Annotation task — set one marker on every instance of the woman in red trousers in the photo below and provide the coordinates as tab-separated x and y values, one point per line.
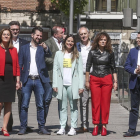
101	57
9	75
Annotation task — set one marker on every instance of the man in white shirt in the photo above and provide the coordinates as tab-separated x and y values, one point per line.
132	66
34	77
17	43
84	46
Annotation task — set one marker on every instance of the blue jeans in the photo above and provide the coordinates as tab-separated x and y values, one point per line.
47	98
27	88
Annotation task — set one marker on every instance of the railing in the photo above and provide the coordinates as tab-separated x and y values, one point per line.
116	5
123	87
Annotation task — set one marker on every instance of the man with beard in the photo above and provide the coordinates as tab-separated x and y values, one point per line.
17	43
34	77
84	47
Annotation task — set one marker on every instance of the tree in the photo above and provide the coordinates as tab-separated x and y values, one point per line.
64	6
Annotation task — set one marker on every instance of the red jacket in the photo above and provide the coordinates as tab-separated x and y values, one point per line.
14	55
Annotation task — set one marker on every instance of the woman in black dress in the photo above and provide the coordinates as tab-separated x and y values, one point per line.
9	75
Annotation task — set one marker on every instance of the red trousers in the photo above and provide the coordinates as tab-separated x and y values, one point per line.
101	88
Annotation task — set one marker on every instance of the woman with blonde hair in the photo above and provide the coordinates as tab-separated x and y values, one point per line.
9	75
68	82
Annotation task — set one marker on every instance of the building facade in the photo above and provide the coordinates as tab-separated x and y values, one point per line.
99	17
29	13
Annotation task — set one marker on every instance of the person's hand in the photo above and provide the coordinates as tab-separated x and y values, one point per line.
81	91
18	85
137	71
115	86
55	89
87	85
43	45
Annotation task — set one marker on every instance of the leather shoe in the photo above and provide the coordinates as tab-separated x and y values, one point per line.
95	131
81	130
28	129
43	131
22	131
129	134
104	131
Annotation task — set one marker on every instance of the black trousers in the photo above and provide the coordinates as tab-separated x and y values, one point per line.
134	112
10	123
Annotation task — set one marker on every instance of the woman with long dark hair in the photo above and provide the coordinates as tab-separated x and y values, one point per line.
68	82
9	75
101	57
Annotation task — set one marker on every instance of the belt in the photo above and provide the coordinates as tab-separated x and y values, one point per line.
33	77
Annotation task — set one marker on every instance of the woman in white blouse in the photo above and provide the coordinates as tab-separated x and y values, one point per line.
68	82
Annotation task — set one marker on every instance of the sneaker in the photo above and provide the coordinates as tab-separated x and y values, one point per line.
72	132
61	132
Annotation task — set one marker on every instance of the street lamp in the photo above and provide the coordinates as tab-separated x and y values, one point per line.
71	17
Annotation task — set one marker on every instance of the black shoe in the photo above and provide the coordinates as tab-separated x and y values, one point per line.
28	129
22	131
67	128
82	130
129	134
43	131
9	128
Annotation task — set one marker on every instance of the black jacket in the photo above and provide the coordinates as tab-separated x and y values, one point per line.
103	63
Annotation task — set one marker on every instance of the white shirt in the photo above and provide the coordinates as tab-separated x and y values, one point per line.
59	45
16	44
67	65
33	66
84	53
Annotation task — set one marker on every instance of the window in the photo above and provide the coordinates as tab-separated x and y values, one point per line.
101	5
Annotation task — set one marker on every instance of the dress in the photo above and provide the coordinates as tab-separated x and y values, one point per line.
8	81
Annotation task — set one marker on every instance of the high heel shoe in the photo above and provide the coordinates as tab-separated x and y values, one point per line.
5	132
104	131
95	131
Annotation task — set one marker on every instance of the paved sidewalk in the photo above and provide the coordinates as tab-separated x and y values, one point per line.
118	124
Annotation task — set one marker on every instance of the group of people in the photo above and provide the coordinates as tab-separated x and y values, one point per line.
62	68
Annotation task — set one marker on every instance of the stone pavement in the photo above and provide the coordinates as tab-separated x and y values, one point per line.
118	124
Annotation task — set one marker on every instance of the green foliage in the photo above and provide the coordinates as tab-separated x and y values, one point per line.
64	6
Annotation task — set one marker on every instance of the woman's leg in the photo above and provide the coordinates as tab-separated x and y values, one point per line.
95	87
73	108
63	109
7	112
105	98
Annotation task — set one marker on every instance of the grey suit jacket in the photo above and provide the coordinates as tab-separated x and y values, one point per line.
49	61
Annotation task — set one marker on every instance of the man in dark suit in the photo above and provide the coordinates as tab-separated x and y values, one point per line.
132	66
17	42
34	77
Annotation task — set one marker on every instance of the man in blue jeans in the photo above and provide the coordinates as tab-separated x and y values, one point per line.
34	77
